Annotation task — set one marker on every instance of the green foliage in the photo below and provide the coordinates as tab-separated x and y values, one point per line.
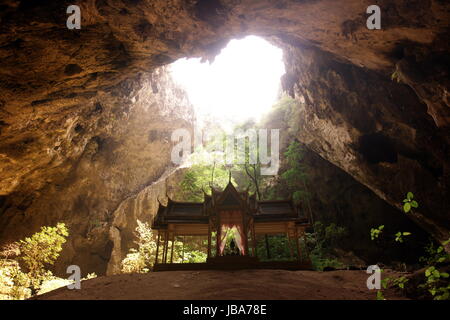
327	235
191	256
321	244
436	281
375	232
435	255
395	76
295	177
140	260
207	166
190	249
320	263
35	254
14	284
436	284
380	295
42	249
385	282
399	236
285	111
249	172
399	282
279	247
134	263
409	203
199	178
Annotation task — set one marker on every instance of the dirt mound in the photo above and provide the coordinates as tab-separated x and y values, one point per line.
242	284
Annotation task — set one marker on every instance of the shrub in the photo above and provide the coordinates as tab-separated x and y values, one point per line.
437	281
40	250
34	253
279	246
141	259
375	232
194	256
321	244
134	262
14	284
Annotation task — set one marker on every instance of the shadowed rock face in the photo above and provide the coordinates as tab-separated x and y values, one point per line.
95	156
333	196
375	129
84	114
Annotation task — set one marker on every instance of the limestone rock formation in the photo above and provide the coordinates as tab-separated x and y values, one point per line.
107	149
143	207
375	129
85	114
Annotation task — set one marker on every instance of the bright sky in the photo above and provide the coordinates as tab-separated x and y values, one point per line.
241	83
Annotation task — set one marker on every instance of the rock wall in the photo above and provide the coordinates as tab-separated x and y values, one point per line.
143	207
375	129
111	148
334	196
340	199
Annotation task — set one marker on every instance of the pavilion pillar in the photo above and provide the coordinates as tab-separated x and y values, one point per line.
157	247
209	240
255	254
182	250
267	246
290	245
302	235
297	244
163	236
246	241
218	241
166	245
171	249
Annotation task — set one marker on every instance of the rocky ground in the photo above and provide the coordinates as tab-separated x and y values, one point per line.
226	285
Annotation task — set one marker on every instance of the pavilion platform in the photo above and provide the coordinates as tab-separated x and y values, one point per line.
234	263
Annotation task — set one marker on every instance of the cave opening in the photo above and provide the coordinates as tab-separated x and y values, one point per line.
240	84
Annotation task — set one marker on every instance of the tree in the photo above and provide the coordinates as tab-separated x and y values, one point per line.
42	249
321	243
249	170
296	176
199	178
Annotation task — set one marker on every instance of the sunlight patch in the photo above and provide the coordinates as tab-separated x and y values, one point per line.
242	83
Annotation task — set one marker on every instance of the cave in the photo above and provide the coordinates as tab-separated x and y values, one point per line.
377	148
86	116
